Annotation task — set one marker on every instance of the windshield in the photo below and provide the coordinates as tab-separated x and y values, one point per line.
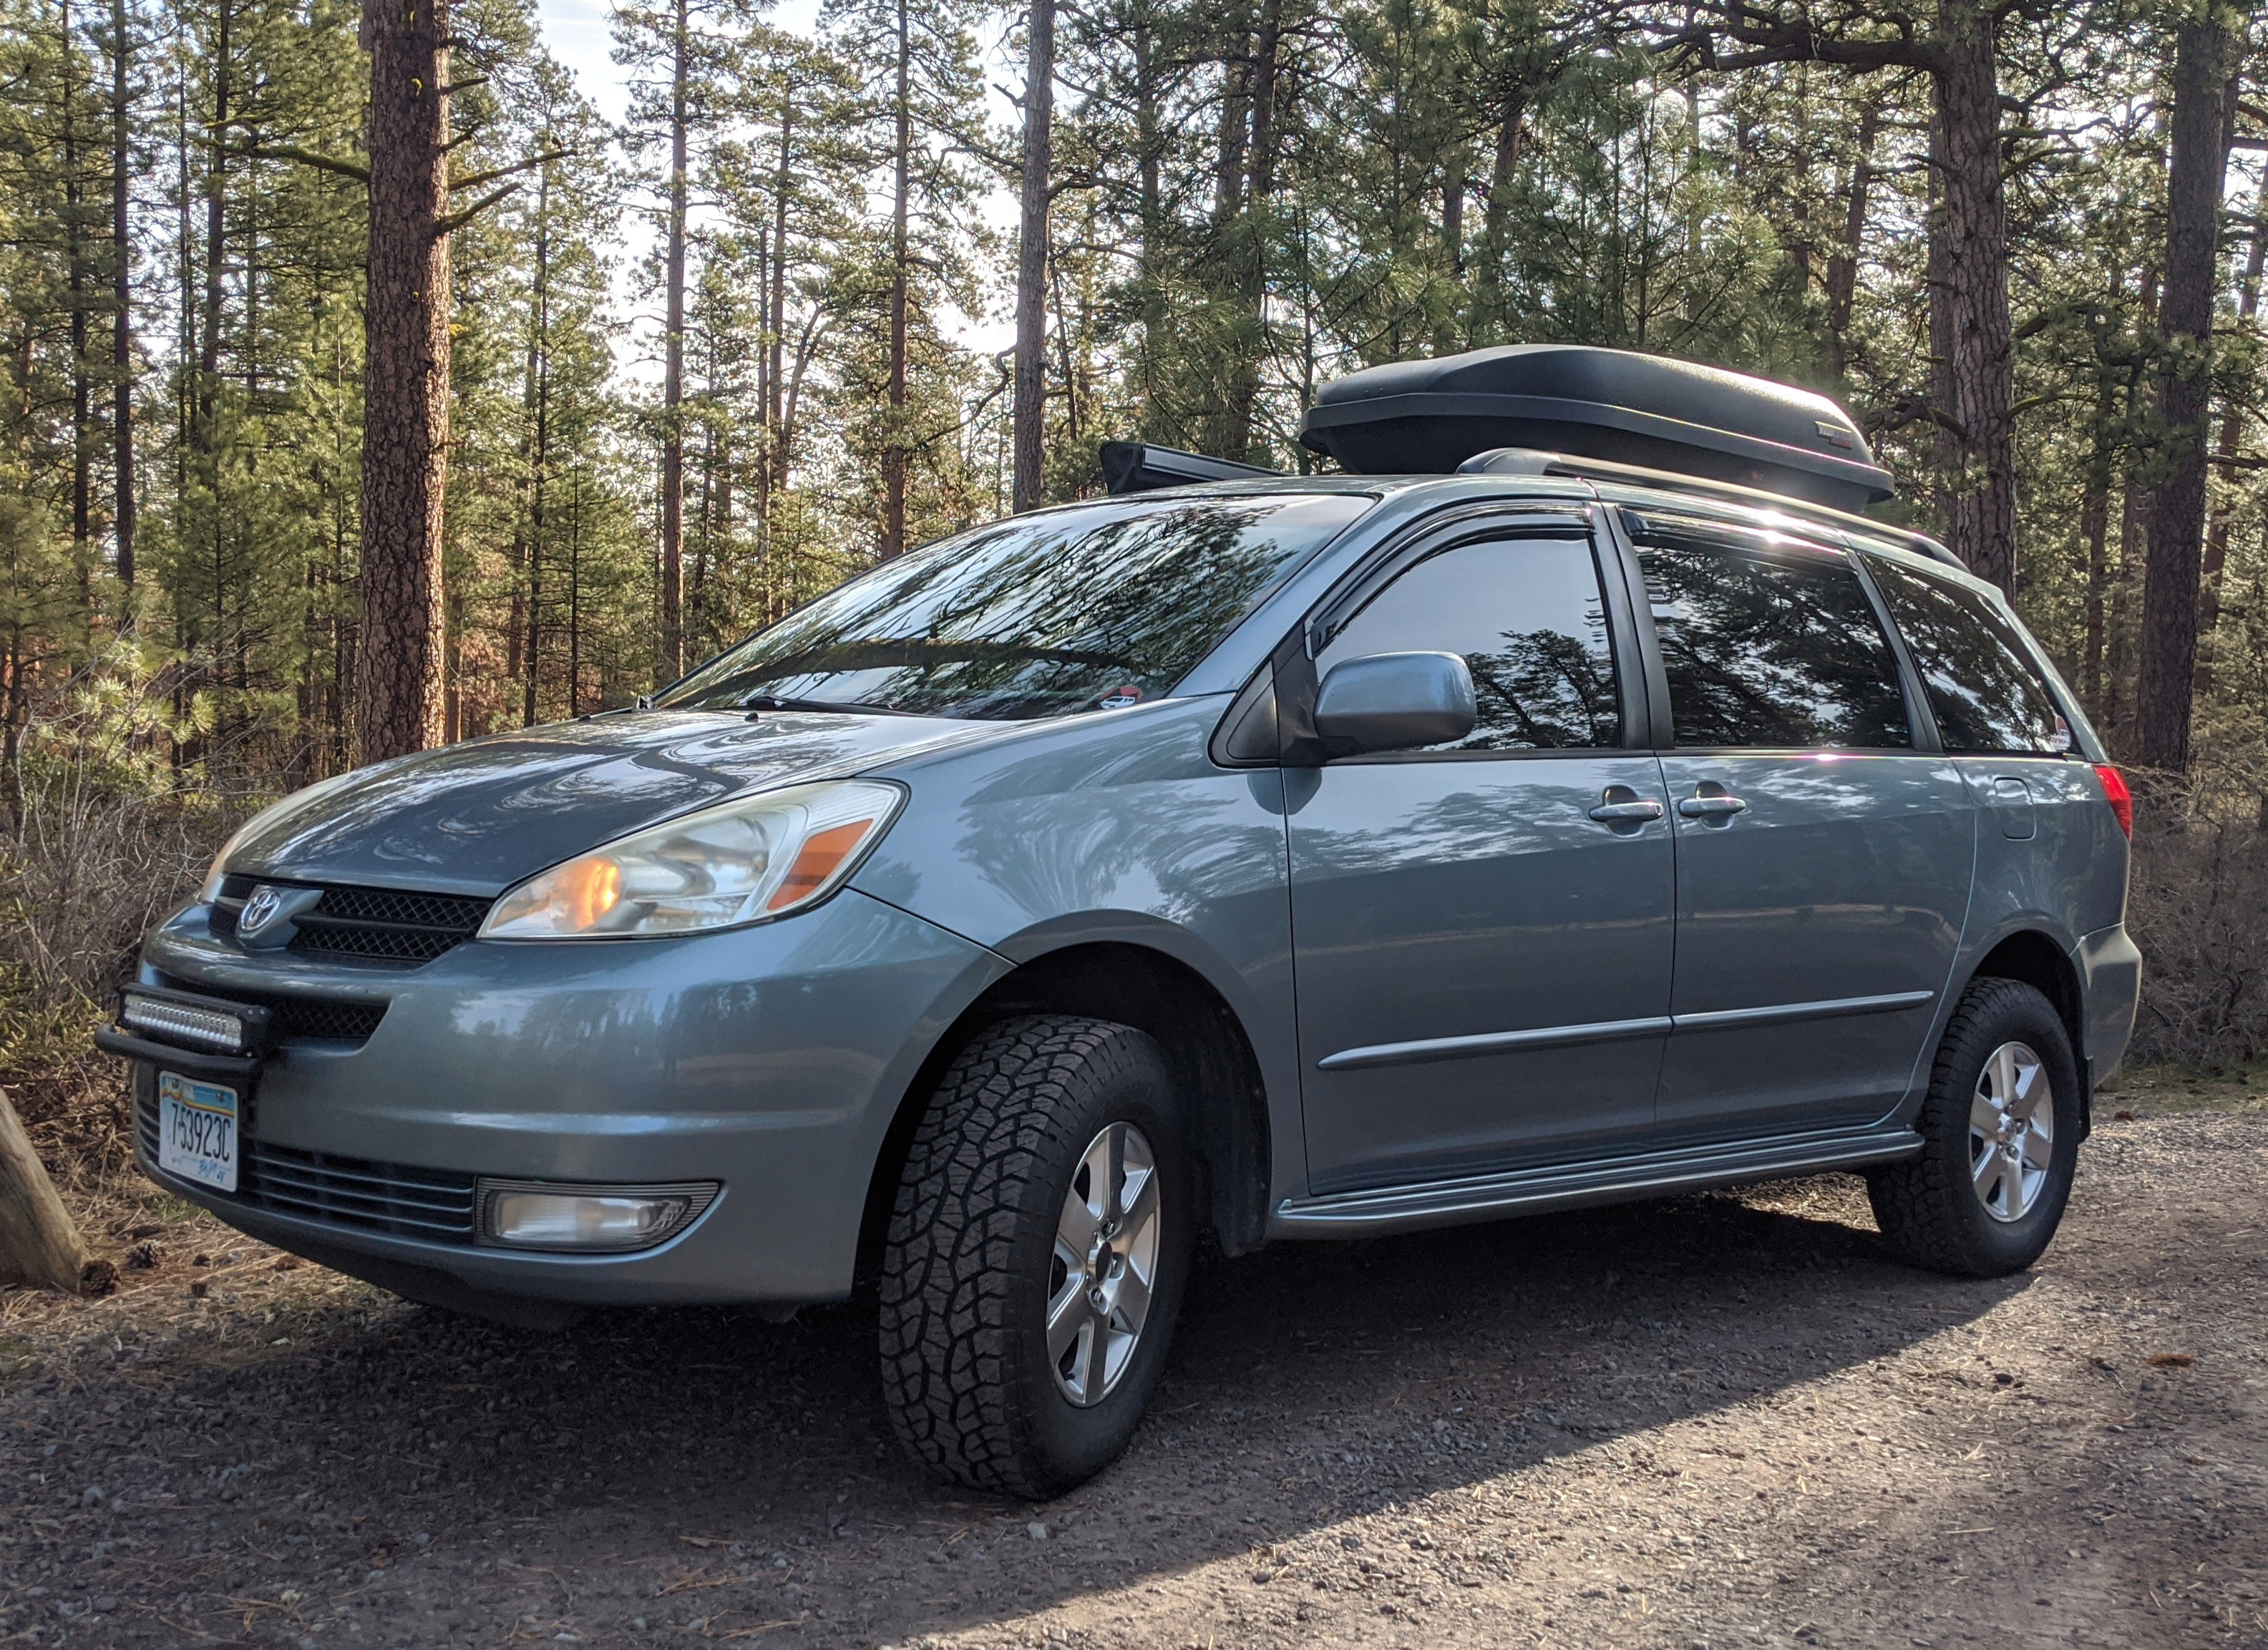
1086	609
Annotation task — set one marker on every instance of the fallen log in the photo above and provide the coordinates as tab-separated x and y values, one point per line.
39	1244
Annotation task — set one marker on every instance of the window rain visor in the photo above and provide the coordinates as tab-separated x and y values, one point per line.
1093	607
746	861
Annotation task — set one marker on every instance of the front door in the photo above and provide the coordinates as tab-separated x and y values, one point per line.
1823	859
1483	933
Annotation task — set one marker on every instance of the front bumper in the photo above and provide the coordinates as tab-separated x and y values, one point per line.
770	1059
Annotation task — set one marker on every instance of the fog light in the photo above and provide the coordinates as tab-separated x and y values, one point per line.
545	1215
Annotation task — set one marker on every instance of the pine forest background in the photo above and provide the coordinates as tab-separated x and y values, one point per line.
686	371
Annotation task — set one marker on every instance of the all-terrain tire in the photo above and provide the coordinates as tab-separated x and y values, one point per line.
1928	1207
965	1269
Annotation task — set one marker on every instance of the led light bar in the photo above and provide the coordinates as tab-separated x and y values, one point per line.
589	1220
191	1026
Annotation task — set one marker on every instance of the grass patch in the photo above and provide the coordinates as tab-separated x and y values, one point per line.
2158	1091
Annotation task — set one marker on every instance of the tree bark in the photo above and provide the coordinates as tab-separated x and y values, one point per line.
1031	370
1978	443
894	451
539	395
2203	50
2232	430
216	222
82	388
775	444
672	370
406	383
1496	229
121	335
39	1244
1843	263
1972	383
1252	233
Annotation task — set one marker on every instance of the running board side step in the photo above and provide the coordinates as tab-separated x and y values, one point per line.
1573	1185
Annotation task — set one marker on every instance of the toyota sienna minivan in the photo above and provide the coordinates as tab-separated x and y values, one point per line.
1571	797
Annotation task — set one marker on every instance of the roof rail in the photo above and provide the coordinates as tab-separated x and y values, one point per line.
1529	461
1136	466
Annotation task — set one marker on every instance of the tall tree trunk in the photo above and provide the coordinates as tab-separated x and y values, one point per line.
1842	264
1977	444
539	403
2203	47
1030	393
39	1244
775	325
894	453
2094	534
82	386
122	320
1487	324
406	377
672	369
215	224
2232	430
1156	415
1252	234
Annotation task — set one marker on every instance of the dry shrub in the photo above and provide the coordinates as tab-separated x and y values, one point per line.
103	830
2197	907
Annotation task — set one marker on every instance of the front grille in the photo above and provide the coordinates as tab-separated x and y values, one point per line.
383	926
433	1205
300	1017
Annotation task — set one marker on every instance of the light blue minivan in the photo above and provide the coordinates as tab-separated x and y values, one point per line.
1273	857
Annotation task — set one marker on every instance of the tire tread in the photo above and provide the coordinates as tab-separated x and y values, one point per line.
950	1348
1918	1204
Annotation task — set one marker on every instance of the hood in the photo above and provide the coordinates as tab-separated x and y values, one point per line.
477	817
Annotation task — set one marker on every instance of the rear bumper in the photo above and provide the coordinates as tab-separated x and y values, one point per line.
2110	975
770	1060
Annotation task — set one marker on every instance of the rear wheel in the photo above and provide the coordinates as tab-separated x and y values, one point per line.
1036	1255
2000	1140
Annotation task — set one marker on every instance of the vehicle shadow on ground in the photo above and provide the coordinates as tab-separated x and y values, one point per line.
1311	1382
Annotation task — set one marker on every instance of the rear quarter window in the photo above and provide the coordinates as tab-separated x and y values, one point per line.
1982	687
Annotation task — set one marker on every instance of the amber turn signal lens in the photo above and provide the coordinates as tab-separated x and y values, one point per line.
823	851
2116	793
591	889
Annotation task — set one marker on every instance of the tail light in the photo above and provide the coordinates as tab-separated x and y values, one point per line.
2116	793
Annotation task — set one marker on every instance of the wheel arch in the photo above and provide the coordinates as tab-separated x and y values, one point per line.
1211	1055
2033	957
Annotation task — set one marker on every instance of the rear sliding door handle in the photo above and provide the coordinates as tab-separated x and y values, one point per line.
1714	802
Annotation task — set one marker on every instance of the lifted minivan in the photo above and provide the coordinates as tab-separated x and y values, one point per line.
1598	808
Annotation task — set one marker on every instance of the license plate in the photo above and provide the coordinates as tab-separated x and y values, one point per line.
196	1130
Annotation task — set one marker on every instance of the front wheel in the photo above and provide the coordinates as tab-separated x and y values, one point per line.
2000	1133
1036	1250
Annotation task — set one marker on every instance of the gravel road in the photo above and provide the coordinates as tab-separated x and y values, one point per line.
1719	1421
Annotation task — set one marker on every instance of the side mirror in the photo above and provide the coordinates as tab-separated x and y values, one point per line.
1395	701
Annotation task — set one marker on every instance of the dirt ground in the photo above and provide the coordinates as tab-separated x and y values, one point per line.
1718	1421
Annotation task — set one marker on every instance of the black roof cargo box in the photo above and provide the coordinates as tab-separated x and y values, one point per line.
1430	417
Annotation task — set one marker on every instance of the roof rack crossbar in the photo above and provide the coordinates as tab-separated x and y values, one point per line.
1137	467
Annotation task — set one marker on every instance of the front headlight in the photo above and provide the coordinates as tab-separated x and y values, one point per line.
747	861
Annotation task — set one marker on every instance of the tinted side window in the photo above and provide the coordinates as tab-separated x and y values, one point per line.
1985	693
1527	617
1776	648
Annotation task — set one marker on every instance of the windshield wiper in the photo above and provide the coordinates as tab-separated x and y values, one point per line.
764	701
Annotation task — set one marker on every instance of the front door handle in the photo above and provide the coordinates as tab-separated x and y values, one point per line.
1710	801
1615	812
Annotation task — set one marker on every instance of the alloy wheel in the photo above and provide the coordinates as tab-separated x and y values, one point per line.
2011	1132
1105	1264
